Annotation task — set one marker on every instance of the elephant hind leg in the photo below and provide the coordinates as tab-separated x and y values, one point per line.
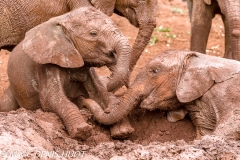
8	101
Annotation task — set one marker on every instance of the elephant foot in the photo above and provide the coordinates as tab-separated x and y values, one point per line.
81	131
176	115
122	129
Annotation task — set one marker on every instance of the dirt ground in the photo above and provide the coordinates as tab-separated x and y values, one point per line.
41	135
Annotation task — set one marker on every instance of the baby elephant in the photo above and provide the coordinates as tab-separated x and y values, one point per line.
207	87
49	69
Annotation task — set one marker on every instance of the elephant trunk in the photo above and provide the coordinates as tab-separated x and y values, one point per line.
143	37
115	112
232	30
120	72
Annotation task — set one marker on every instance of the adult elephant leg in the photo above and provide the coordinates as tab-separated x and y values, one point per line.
98	92
201	21
227	52
190	7
231	12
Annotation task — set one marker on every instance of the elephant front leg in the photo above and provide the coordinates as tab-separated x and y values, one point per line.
74	122
53	98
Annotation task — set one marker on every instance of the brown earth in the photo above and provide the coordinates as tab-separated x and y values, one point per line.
33	134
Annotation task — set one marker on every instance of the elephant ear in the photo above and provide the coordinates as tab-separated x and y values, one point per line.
199	72
48	43
208	1
105	6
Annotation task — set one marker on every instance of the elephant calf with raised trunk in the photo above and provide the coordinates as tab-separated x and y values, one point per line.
49	68
201	15
18	16
207	87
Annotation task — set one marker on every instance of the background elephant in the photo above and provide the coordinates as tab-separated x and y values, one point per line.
206	86
201	14
17	17
49	68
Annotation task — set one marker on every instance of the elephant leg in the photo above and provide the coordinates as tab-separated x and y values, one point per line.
52	80
74	122
201	21
176	115
190	7
8	101
121	129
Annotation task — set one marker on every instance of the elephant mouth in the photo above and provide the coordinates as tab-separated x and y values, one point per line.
155	103
156	100
131	15
104	58
149	102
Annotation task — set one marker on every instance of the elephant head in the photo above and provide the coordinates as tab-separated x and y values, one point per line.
154	87
84	36
141	14
206	86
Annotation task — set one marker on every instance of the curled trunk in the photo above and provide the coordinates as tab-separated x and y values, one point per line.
115	112
120	72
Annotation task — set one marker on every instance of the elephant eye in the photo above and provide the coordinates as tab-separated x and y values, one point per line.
93	33
154	70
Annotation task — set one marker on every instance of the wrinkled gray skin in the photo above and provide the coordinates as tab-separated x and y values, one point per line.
201	15
207	87
18	16
49	68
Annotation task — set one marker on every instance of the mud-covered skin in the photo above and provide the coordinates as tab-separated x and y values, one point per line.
49	68
17	17
207	87
201	14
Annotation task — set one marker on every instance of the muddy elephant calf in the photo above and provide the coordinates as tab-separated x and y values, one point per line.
49	68
208	87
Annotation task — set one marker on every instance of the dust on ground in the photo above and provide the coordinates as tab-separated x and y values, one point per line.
41	135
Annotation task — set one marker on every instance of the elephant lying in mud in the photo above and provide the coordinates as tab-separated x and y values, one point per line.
49	68
201	15
207	87
17	17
